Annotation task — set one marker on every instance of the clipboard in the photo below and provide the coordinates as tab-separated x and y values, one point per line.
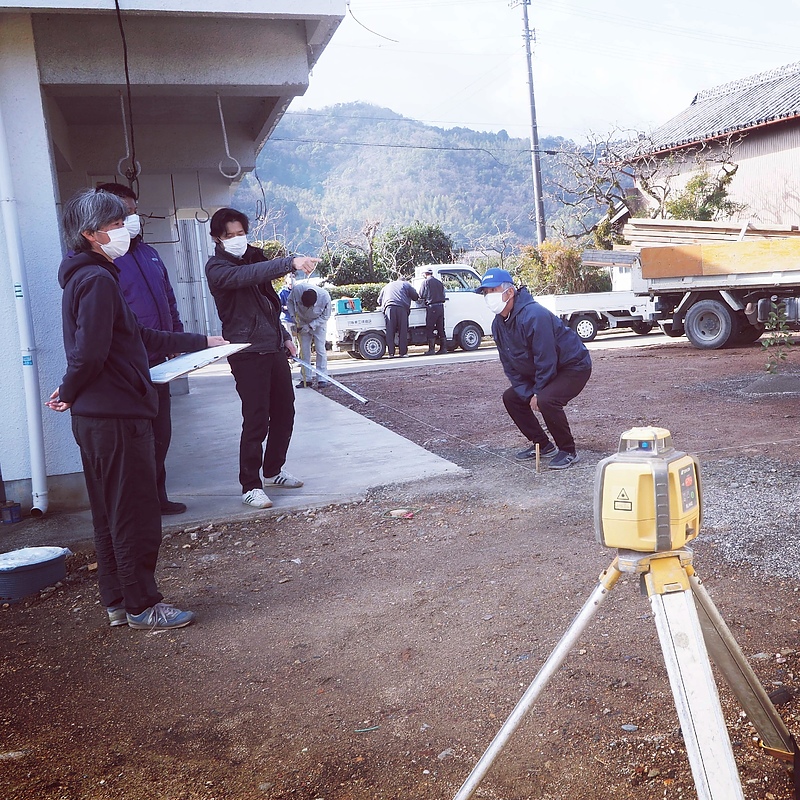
189	362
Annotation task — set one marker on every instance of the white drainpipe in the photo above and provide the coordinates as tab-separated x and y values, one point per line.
30	371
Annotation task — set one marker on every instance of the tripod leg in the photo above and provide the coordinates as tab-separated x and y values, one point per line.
696	700
554	661
739	675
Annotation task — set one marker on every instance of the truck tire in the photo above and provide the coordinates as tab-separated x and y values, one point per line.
641	328
668	329
709	324
371	345
585	326
469	336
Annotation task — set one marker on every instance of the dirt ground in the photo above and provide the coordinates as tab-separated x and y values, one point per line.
341	654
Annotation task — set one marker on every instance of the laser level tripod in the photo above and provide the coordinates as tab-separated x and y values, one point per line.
648	475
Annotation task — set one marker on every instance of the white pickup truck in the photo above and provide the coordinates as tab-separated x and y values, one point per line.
587	314
467	318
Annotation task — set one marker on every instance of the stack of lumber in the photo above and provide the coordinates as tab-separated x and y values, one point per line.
658	232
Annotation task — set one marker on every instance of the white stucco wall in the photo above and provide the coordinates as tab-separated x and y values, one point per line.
36	203
255	53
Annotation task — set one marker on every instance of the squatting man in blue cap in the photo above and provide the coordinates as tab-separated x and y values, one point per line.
545	361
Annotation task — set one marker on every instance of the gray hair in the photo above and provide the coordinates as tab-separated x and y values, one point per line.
89	210
505	286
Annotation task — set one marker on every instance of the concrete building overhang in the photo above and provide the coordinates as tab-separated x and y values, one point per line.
255	55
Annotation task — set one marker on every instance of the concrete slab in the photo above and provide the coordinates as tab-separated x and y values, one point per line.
339	454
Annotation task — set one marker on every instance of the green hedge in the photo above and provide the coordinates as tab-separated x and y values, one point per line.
366	292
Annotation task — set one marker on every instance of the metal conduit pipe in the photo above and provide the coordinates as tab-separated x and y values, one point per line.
30	370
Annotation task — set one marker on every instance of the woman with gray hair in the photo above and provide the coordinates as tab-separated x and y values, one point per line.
113	402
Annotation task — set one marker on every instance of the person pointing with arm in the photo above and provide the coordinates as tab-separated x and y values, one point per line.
240	280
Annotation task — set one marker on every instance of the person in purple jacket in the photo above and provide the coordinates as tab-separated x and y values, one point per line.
145	285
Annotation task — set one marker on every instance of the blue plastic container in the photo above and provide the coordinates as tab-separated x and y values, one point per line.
27	571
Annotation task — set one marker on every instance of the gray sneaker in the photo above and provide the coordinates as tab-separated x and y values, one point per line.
545	451
117	616
160	617
564	460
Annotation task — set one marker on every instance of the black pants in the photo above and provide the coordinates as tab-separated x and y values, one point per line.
397	322
264	384
434	325
162	433
120	471
551	400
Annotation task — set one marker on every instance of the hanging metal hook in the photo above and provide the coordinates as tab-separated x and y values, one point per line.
135	170
261	205
200	195
227	148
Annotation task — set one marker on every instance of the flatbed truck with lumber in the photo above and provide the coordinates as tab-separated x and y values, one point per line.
722	293
717	293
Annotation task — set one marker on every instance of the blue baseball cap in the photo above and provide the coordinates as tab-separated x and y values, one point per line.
493	278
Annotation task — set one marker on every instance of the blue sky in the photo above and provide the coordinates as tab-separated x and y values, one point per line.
598	64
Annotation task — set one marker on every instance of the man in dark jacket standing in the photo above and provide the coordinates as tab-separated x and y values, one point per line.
145	284
240	279
547	363
113	403
433	295
395	302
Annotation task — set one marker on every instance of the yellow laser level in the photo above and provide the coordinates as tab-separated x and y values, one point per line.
647	495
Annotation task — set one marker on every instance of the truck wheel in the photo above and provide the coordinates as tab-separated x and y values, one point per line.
668	329
586	327
709	324
641	327
469	337
372	346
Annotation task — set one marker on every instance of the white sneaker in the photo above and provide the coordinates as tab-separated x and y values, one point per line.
283	480
256	498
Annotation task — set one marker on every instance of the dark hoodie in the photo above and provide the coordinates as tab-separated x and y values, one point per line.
534	345
107	367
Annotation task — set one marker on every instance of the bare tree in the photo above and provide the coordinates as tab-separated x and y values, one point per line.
496	247
626	171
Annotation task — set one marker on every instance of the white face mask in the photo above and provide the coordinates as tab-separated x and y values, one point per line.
235	246
495	301
118	244
134	225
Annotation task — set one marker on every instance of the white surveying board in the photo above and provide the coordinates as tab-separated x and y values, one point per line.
189	362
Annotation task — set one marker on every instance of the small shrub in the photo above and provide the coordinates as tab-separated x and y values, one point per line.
366	292
777	339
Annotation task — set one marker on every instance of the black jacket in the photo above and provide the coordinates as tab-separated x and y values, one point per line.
432	291
246	302
534	345
107	367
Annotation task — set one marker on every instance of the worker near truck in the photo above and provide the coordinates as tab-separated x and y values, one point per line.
240	279
545	361
311	309
395	302
433	295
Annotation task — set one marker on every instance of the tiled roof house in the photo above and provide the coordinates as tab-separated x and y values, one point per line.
762	114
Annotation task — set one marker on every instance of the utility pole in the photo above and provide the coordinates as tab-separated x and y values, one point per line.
538	200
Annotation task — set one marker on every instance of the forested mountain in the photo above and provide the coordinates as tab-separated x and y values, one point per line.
327	173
